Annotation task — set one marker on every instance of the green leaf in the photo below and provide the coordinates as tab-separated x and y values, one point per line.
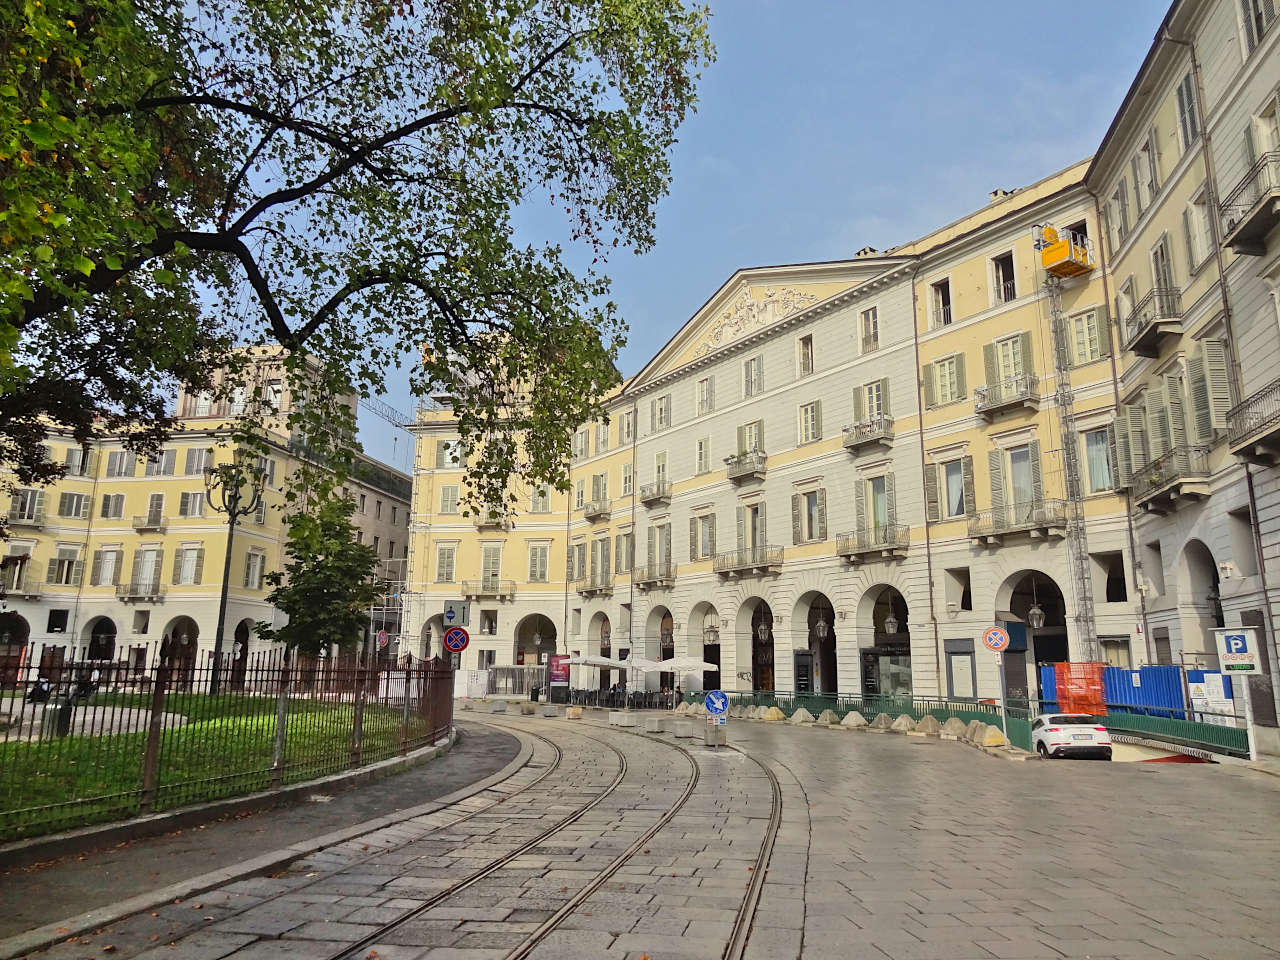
44	253
83	264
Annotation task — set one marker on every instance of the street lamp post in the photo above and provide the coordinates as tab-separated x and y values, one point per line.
224	491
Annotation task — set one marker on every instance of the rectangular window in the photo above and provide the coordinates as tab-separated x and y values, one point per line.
377	544
1088	336
79	462
752	437
660	467
1098	454
393	514
810	423
1002	275
377	509
1118	214
1188	122
953	488
113	506
73	505
539	557
1162	266
940	296
364	508
948	382
804	354
191	505
1009	355
197	461
189	561
870	329
874	399
449	498
602	436
275	395
579	494
878	501
162	464
810	516
448	453
1259	15
446	553
121	463
1021	484
254	565
660	413
704	455
107	567
541	500
1198	235
628	479
627	426
581	444
706	395
391	549
65	567
204	403
752	376
237	401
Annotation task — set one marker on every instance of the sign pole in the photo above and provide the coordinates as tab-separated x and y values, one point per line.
1004	715
1248	717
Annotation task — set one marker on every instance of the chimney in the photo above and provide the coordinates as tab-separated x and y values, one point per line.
867	252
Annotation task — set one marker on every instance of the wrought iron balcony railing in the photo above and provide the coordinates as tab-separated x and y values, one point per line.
1035	516
1169	475
887	540
594	584
1252	209
25	518
1022	390
1255	423
653	493
870	343
489	587
27	587
877	430
140	590
596	509
151	522
659	574
746	466
491	518
763	559
1152	316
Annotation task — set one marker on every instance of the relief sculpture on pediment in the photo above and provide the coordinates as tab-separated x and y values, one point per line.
746	314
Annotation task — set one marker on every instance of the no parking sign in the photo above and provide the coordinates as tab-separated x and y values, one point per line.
456	639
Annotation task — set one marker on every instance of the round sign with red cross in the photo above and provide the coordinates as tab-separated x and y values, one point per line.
456	639
995	638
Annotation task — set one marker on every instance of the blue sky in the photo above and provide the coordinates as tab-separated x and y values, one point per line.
827	126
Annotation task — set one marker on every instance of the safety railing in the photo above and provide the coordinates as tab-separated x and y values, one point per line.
1246	215
887	537
1160	303
140	590
1015	517
748	559
1257	416
151	523
744	466
657	492
870	430
594	584
597	509
1182	463
661	573
489	587
25	518
96	741
1023	388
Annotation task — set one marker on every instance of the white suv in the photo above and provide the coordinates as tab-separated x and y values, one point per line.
1070	735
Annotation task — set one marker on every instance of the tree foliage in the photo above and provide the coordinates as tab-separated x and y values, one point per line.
327	586
337	177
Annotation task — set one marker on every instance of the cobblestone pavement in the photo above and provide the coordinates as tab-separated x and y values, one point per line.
888	847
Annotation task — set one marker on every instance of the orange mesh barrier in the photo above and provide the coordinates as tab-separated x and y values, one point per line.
1080	688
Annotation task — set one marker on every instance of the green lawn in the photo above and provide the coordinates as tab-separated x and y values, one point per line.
223	750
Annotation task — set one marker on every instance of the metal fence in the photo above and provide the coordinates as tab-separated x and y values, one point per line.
95	741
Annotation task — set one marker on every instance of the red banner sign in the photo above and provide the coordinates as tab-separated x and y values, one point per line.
560	670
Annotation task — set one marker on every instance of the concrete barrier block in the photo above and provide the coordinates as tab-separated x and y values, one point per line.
498	706
881	723
853	720
550	710
655	724
773	714
992	737
970	728
953	729
681	709
801	716
683	729
715	735
927	726
623	718
904	724
528	709
573	713
829	717
976	732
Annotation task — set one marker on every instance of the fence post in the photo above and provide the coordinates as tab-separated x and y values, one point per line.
357	721
404	709
282	725
151	759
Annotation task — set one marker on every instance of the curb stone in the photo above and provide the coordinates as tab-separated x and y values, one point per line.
60	930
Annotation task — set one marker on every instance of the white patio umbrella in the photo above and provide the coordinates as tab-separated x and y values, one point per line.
605	663
687	665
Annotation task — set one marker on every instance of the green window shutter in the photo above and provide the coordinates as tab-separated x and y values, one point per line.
1028	355
693	538
619	552
995	468
64	504
760	434
970	495
962	385
764	525
859	404
442	452
53	571
199	564
795	518
189	467
742	440
1037	477
248	561
990	364
822	513
1136	428
1157	421
1186	237
95	573
884	397
817	419
137	567
651	546
930	386
890	496
84	506
606	563
1177	423
39	503
1198	395
859	504
533	565
115	570
1115	445
1103	319
178	557
742	528
1218	374
77	573
932	510
711	534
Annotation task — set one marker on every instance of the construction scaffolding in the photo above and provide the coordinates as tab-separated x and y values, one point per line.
386	613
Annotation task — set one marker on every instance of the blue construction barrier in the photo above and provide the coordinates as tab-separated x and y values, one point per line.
1158	692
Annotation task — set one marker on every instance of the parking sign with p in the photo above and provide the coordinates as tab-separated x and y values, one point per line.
1237	650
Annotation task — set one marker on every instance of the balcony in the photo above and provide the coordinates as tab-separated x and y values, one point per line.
746	466
1007	394
656	493
27	588
489	588
1253	427
596	509
1252	209
1181	474
1039	518
654	575
1157	315
748	562
874	431
887	542
152	523
1067	256
149	590
492	518
596	585
29	518
870	344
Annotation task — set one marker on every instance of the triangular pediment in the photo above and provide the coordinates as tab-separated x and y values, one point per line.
754	299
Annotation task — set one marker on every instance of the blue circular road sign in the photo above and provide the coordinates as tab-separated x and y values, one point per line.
717	703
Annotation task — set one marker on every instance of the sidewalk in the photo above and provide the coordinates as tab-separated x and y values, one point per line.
43	893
